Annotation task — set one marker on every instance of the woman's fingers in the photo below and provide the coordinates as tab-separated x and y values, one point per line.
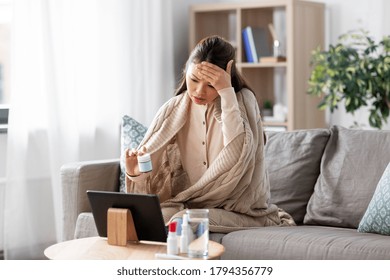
216	76
229	67
132	162
128	153
209	70
142	151
133	152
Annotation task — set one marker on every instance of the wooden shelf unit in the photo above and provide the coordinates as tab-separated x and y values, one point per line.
303	25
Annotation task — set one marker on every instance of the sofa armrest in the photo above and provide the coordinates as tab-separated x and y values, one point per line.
76	179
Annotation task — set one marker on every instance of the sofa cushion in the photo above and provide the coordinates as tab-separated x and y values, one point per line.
305	243
132	132
353	162
85	226
293	162
376	219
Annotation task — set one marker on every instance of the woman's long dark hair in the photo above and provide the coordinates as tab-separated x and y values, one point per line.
216	50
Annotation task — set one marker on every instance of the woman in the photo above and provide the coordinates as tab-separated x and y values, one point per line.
207	147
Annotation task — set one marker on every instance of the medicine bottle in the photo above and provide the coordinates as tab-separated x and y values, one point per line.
145	163
172	248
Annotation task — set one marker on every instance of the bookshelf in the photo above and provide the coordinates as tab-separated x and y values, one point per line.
300	28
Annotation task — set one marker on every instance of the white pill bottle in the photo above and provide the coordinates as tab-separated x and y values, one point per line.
145	163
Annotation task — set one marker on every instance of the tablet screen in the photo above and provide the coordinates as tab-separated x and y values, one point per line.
145	209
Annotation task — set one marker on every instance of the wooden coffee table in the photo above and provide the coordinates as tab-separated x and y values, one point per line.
97	248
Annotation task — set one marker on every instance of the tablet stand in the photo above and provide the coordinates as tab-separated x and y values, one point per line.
120	227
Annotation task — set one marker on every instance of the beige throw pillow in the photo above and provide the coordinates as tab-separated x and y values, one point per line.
353	163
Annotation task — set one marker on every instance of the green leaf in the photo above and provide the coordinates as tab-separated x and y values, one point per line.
356	69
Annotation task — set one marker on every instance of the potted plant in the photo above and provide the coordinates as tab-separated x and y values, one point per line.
355	71
267	108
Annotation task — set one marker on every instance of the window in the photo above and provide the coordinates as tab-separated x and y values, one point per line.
4	110
5	57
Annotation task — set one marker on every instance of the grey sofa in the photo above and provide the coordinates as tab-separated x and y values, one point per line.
325	178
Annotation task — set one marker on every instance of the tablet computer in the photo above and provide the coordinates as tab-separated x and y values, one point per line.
145	209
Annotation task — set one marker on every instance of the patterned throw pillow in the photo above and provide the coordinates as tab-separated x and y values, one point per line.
376	219
132	133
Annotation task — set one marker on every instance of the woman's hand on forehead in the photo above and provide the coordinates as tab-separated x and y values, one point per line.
215	75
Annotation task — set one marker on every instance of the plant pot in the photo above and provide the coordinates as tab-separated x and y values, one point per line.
267	112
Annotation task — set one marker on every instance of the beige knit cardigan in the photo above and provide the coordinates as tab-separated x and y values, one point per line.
235	187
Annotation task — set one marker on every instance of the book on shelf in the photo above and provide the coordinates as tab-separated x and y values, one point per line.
260	38
256	44
247	38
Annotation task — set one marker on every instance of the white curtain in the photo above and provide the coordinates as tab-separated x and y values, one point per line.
77	67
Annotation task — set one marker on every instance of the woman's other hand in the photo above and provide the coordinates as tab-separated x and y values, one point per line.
132	161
